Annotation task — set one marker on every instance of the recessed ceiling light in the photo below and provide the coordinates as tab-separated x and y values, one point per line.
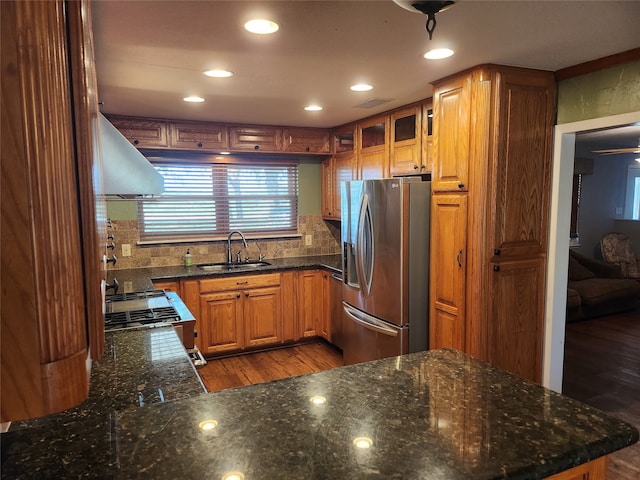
438	53
363	442
313	108
361	87
193	99
218	73
261	26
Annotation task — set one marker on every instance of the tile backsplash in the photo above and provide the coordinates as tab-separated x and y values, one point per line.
325	241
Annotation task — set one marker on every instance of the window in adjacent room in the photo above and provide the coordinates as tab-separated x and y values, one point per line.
209	200
575	205
632	200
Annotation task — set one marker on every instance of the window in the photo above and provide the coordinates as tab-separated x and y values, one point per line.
207	200
575	205
632	200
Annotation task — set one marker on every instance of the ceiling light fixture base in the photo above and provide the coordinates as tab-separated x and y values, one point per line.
427	7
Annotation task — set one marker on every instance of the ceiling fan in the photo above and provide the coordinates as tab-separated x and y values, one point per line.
616	151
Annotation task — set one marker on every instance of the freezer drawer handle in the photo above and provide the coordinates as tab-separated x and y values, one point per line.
369	322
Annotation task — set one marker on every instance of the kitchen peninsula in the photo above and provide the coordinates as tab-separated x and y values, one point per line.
437	414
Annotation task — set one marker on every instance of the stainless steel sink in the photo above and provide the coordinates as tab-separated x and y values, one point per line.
225	267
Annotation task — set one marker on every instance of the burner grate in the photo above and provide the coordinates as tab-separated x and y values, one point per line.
140	317
119	297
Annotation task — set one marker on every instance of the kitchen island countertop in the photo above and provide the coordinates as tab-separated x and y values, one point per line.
431	415
142	278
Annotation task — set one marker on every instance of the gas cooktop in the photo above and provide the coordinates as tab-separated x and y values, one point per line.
134	309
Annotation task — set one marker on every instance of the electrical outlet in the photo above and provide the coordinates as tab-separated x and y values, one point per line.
126	249
618	210
308	240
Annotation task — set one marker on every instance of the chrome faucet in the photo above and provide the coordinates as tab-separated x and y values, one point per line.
229	254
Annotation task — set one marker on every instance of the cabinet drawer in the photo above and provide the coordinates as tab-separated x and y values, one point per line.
239	282
198	136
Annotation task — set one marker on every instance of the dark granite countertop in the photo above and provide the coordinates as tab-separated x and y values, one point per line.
429	415
141	278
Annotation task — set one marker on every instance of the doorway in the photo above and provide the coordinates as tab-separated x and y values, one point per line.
559	226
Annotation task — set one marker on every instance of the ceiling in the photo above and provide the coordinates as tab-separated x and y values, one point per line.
151	54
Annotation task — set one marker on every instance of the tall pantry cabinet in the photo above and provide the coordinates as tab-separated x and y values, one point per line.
490	214
52	323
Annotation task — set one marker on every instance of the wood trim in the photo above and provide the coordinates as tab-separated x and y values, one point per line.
621	58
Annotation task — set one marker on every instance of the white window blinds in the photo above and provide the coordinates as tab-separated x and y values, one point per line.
209	200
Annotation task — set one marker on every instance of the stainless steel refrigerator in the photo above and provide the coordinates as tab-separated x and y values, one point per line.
385	266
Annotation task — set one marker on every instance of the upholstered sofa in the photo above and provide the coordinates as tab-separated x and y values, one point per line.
596	288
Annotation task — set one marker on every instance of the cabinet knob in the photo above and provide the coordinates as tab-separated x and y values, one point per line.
136	142
459	258
256	147
423	167
496	268
246	294
237	295
199	145
461	185
415	167
308	149
497	251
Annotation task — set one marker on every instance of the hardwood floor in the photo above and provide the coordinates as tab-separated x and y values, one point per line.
270	365
602	369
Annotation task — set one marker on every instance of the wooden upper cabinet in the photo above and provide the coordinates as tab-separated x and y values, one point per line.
373	148
142	132
343	139
522	164
451	133
427	135
406	141
305	140
198	136
254	138
327	188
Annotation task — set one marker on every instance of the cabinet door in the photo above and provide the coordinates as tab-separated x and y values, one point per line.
406	141
515	316
221	322
373	151
343	139
327	188
520	192
198	136
310	303
448	271
305	140
427	136
335	311
342	172
262	316
325	324
451	130
255	138
142	132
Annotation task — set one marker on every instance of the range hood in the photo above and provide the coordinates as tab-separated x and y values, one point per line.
126	172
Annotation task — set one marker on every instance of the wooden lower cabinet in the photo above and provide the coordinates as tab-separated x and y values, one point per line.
234	313
221	322
239	312
448	266
593	470
310	303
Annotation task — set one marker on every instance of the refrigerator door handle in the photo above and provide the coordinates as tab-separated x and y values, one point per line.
365	246
368	321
